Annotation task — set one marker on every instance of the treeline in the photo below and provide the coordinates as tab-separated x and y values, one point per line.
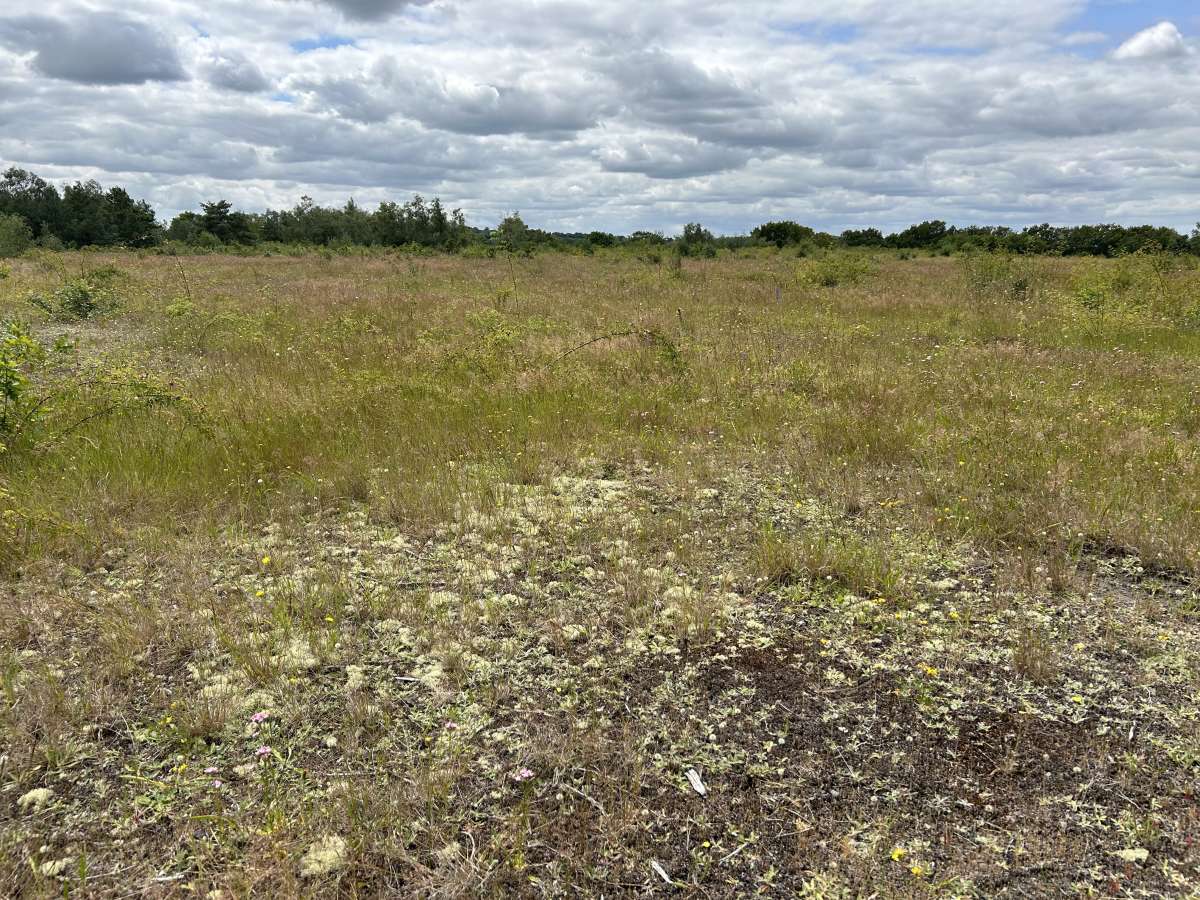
35	212
389	225
83	214
1072	240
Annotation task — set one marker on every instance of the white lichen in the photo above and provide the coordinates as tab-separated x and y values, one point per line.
325	856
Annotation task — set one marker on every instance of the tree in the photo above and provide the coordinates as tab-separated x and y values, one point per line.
782	234
227	226
185	227
696	240
513	233
927	234
129	222
83	215
15	236
866	237
33	199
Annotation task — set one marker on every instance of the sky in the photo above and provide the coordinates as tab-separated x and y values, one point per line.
621	114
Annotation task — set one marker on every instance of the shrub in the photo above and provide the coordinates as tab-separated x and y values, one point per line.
47	393
20	353
1143	284
77	299
15	236
998	274
835	269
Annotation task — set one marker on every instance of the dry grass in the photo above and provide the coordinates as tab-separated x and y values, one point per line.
903	566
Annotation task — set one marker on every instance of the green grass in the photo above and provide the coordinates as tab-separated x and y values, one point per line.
899	555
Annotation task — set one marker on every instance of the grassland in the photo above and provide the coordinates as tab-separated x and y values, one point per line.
599	576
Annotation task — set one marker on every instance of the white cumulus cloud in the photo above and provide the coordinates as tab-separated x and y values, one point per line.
1158	42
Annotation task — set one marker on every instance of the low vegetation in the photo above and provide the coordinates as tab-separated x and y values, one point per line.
720	574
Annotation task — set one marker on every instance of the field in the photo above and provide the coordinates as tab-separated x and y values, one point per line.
601	576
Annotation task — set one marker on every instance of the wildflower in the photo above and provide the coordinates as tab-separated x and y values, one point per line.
266	560
522	774
898	853
918	870
1076	698
211	770
217	782
931	671
259	717
451	726
260	593
263	751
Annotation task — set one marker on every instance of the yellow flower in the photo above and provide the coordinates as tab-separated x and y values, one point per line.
917	870
260	593
1076	699
931	671
266	560
898	853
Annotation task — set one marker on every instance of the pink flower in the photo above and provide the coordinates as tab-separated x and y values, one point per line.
262	751
211	770
217	782
522	774
259	717
452	726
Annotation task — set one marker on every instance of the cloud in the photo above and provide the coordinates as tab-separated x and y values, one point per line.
620	115
371	10
234	72
671	157
1161	41
94	48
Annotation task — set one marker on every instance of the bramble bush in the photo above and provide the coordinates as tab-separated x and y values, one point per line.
48	393
77	299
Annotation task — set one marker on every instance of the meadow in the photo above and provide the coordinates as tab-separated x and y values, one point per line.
399	574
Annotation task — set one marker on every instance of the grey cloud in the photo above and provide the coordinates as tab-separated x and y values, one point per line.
371	10
235	72
620	114
671	158
554	110
94	48
664	88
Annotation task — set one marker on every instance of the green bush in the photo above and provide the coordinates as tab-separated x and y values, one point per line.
20	354
15	236
834	269
1146	284
77	299
48	393
999	275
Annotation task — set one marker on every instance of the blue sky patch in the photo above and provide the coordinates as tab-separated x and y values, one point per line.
1121	19
321	42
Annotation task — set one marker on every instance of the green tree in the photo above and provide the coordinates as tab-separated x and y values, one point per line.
865	237
15	236
513	233
783	233
129	222
24	194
